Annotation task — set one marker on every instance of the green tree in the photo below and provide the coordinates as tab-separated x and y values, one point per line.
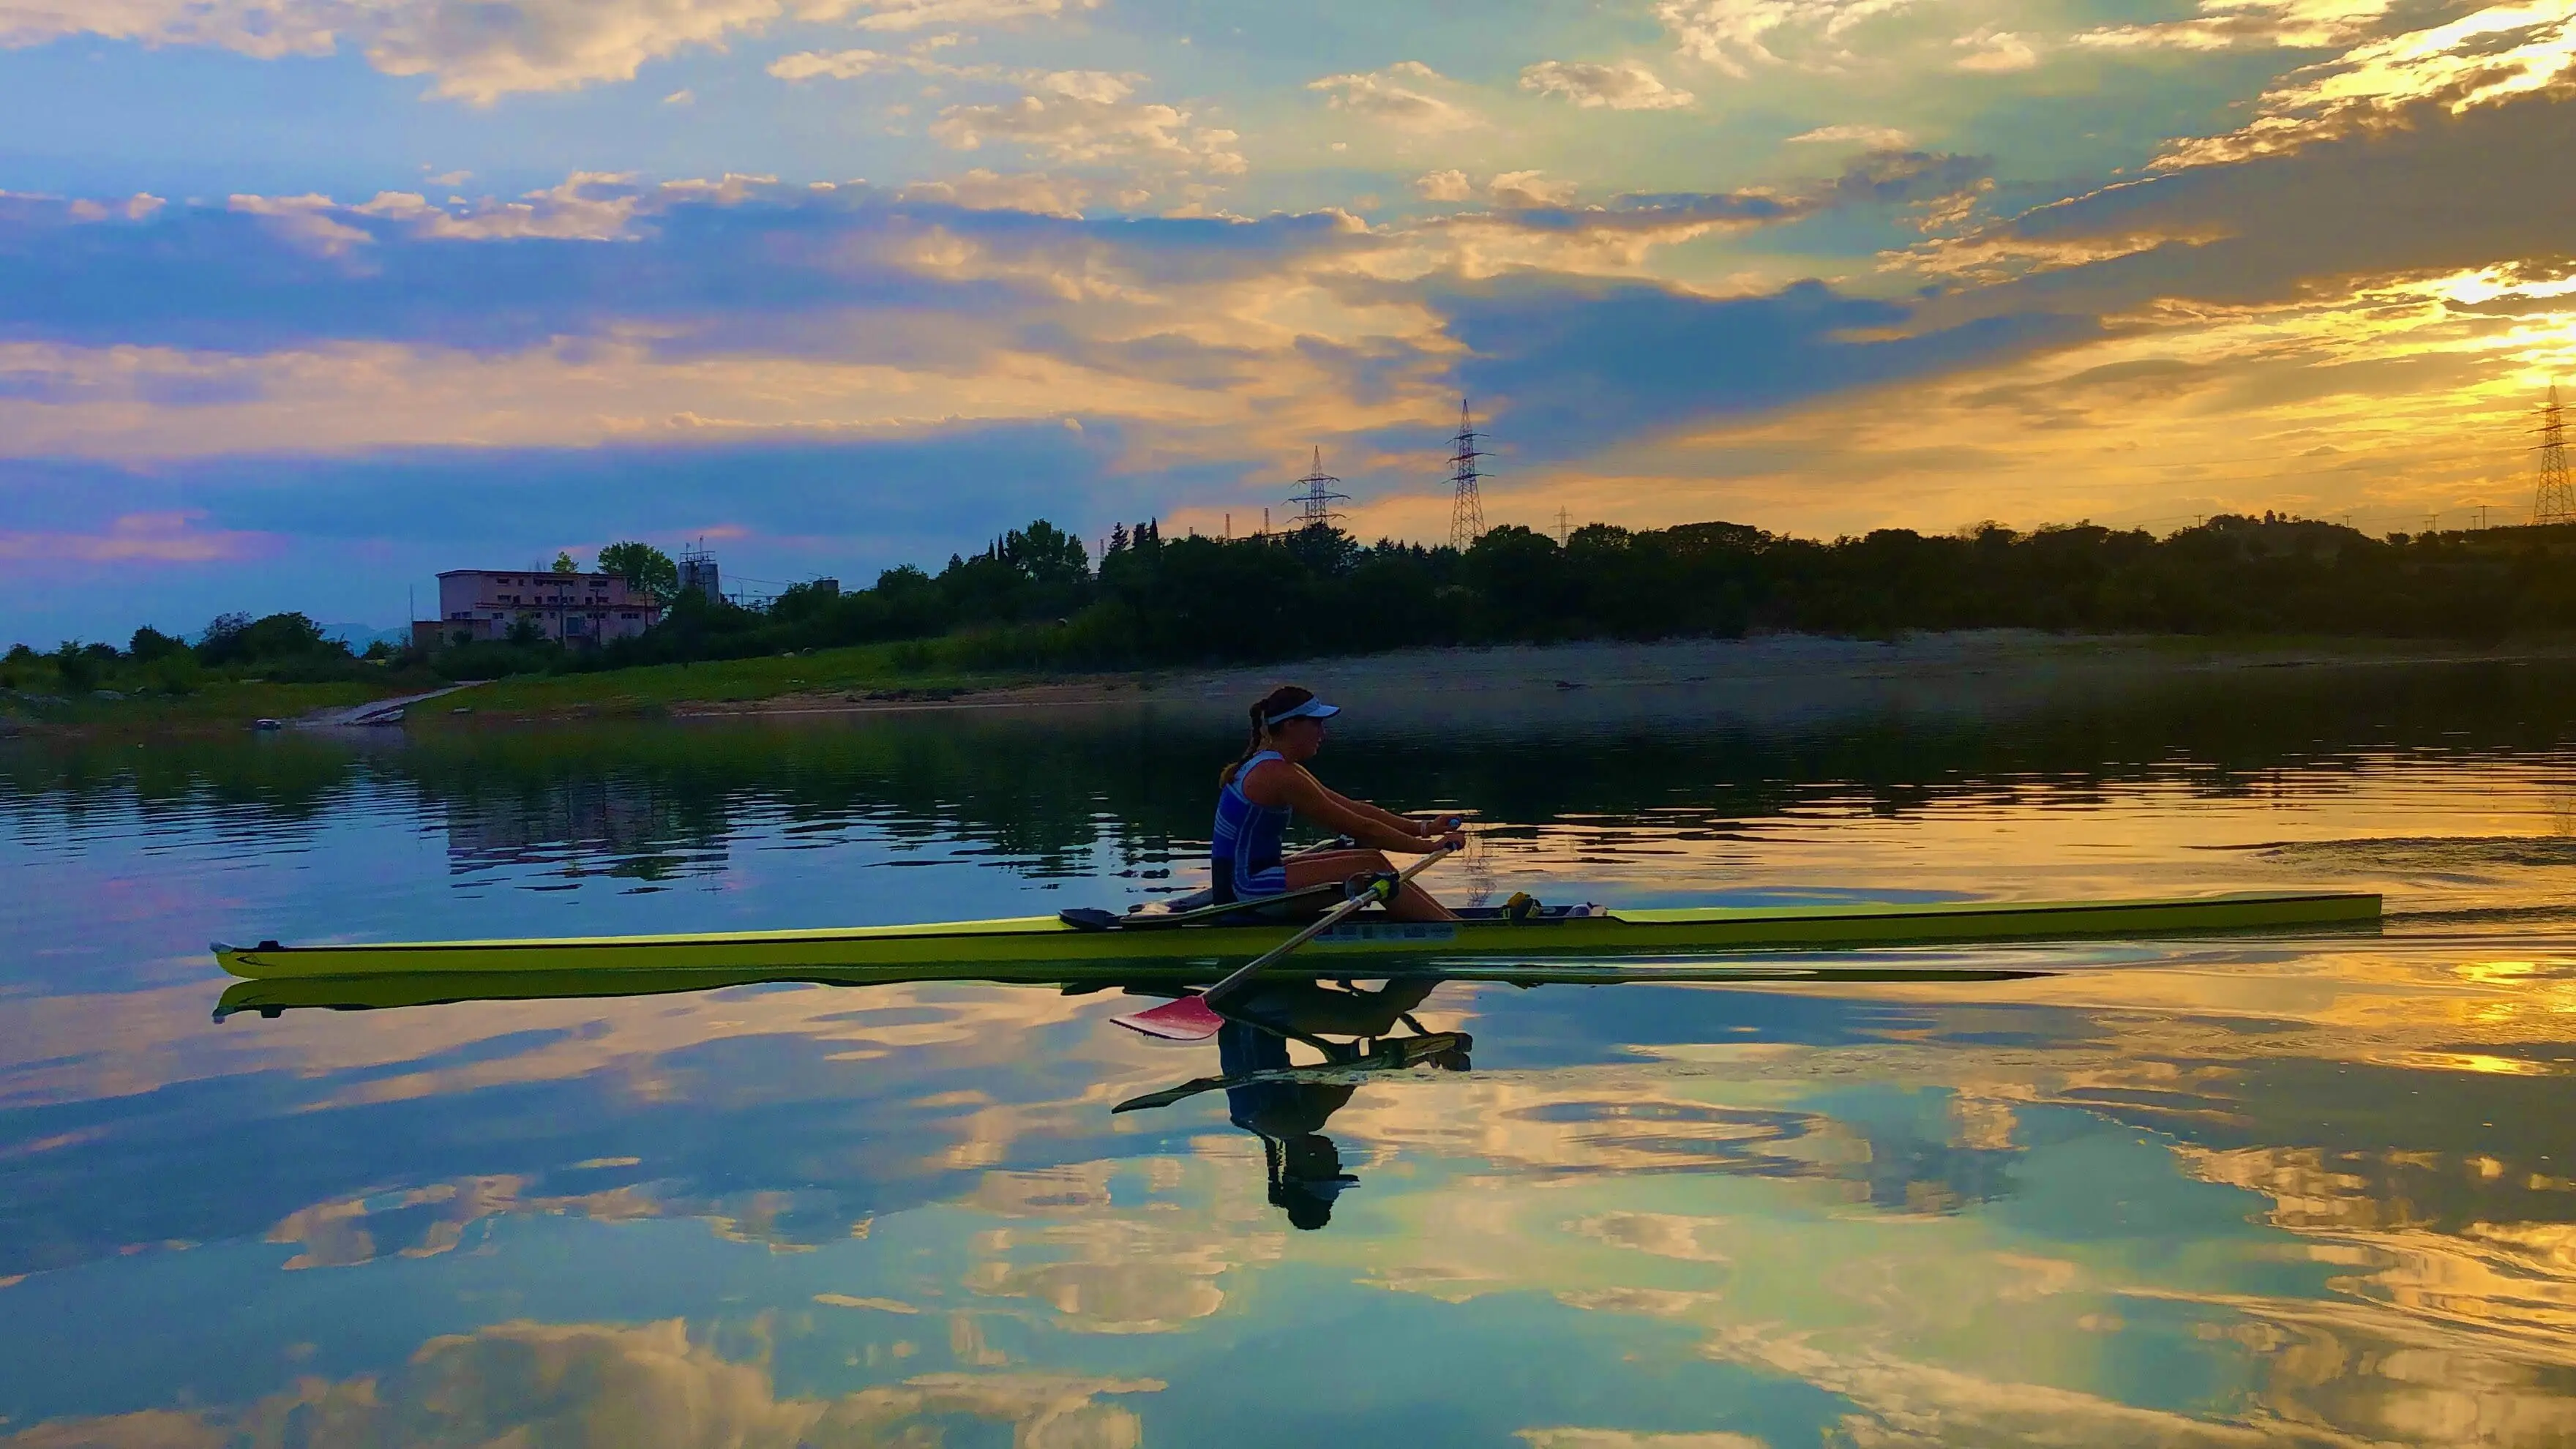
78	667
149	644
565	565
239	639
646	569
1045	553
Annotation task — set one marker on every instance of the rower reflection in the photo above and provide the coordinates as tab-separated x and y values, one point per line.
1269	1094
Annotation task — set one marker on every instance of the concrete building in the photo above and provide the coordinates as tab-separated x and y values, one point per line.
575	609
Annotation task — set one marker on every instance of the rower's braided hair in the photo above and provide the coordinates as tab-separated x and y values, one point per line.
1285	697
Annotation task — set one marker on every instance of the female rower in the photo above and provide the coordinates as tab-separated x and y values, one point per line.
1270	782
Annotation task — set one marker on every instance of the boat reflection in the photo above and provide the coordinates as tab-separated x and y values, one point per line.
1286	1105
273	997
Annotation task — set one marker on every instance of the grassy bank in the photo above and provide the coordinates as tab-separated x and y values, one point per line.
218	704
937	668
861	676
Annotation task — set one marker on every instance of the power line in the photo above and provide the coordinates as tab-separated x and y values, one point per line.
1315	503
2554	501
1466	497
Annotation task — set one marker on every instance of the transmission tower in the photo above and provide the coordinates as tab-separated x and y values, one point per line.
2555	500
1315	503
1466	502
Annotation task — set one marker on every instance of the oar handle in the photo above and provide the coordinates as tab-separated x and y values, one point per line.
1320	925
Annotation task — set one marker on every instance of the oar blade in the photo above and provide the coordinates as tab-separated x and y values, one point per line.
1185	1019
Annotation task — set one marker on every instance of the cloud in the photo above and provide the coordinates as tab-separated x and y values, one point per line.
1736	35
1394	97
2482	60
982	190
2454	119
605	311
923	14
1535	223
1085	85
1620	85
1444	186
1877	138
142	538
837	64
647	1386
1080	129
1995	52
1583	365
2257	24
478	51
1519	190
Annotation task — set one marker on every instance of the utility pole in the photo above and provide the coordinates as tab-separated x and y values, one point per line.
1564	528
1315	505
2554	501
1466	498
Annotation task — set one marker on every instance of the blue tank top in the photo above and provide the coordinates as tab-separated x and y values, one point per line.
1244	853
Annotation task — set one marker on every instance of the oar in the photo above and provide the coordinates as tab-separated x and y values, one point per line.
1192	1019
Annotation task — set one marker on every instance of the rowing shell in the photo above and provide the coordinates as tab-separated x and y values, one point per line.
278	995
977	948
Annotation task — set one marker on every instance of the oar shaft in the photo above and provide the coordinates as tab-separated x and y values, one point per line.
1317	927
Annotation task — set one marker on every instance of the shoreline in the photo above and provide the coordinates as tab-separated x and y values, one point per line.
1453	686
1515	681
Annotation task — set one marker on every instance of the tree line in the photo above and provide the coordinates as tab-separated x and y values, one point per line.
1034	597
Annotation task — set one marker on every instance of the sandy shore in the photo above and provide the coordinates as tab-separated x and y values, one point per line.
1780	676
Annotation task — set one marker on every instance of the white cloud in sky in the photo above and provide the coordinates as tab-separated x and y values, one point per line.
1519	190
836	64
481	50
1076	126
920	14
2248	24
1995	52
1885	138
1619	85
1445	186
1396	97
1084	85
984	190
1735	35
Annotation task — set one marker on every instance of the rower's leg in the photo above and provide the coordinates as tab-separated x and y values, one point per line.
1412	903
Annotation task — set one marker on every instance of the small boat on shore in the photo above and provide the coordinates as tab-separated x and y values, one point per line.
1197	946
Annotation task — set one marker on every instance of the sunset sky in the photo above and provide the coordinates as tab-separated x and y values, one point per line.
302	301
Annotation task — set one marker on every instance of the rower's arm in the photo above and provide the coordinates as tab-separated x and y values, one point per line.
1368	825
1387	818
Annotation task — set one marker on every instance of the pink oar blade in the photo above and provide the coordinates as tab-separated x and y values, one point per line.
1186	1019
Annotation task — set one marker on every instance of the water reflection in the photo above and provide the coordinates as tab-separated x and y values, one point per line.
2225	1191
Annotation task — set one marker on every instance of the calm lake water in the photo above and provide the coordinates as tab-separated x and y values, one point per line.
2219	1191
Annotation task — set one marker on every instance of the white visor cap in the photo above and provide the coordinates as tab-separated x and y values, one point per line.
1311	709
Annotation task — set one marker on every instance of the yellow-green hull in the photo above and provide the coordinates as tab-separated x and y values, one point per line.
993	949
363	993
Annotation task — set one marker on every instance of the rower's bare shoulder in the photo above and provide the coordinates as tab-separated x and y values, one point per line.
1278	782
